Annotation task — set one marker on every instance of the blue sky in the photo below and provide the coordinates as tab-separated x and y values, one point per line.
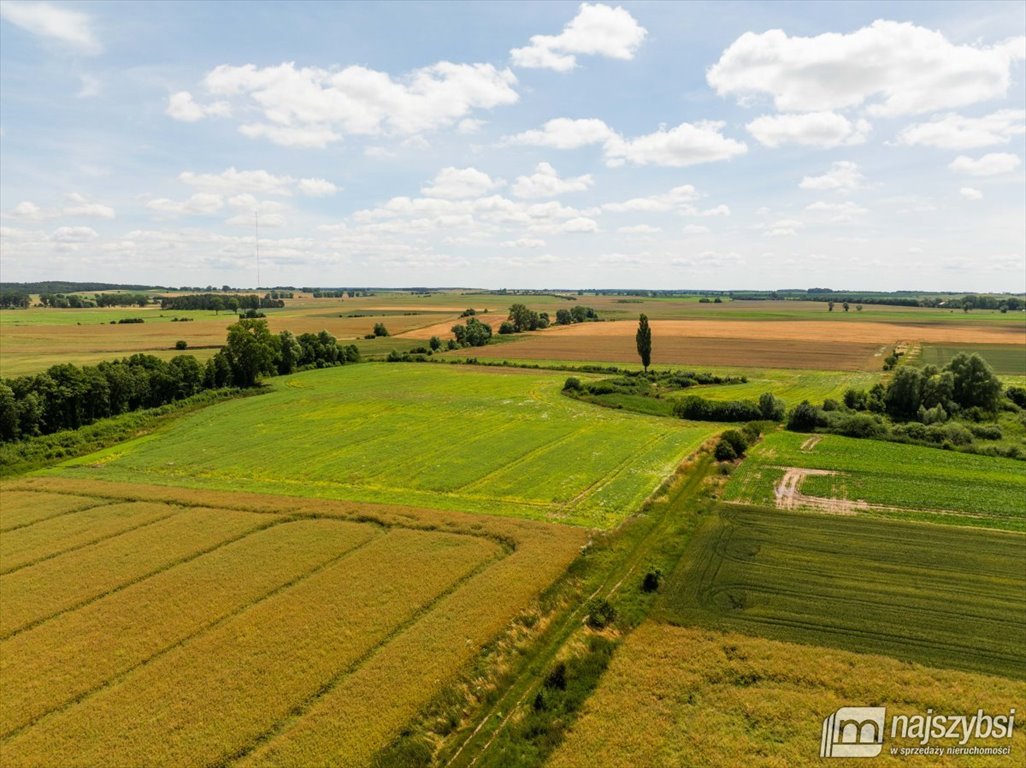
660	145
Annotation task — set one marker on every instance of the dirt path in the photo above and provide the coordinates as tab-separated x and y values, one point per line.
811	443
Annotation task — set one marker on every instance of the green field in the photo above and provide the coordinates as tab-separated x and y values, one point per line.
1006	360
928	482
938	595
479	440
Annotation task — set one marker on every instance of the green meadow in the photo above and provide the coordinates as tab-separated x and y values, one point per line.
985	491
498	441
938	595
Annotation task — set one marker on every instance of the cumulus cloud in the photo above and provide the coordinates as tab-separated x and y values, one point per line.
200	203
73	29
843	175
596	30
74	234
639	229
545	182
814	129
687	144
181	106
989	165
457	183
695	229
954	131
892	68
317	187
232	182
81	206
837	213
970	193
580	224
565	133
26	209
678	198
783	228
312	107
523	242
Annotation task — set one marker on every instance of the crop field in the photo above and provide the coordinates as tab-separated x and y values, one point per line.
941	595
500	441
682	696
791	386
242	629
905	481
1007	360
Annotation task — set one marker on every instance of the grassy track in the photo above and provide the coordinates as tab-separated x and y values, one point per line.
677	696
987	491
480	440
934	594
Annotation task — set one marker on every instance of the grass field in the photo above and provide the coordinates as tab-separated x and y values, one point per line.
939	595
906	481
259	629
1005	360
500	441
692	697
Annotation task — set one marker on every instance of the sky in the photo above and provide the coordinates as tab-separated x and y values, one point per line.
860	146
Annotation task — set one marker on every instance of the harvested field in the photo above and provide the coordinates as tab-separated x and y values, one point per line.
676	696
249	643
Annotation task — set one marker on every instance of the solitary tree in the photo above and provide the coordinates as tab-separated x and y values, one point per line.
644	340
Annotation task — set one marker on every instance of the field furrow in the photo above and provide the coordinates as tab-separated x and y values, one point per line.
24	508
150	617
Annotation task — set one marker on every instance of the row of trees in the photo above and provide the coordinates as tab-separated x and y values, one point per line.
68	396
221	303
13	299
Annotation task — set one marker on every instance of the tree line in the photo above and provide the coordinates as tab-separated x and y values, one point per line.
68	396
222	303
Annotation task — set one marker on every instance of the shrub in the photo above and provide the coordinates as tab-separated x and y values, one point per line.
1017	395
435	343
572	384
771	406
181	344
601	613
700	409
935	415
380	330
856	399
652	580
986	431
804	417
507	328
831	405
724	451
737	441
862	425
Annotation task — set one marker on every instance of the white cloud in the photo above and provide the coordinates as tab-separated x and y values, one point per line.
687	144
231	181
843	175
814	129
317	187
199	203
640	229
523	242
457	183
596	30
74	234
470	125
83	207
677	198
312	107
71	28
545	182
784	228
565	133
719	210
695	229
893	68
838	213
970	193
580	224
181	106
26	209
953	131
989	165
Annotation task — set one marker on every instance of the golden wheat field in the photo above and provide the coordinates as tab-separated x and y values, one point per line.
223	628
677	696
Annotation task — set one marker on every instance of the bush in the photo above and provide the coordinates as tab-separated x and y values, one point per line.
507	328
572	384
831	405
1017	395
952	434
435	343
737	441
724	451
856	399
862	425
986	431
771	406
601	613
181	344
805	417
700	409
652	580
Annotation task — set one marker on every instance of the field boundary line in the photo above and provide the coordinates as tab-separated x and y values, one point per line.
523	458
239	610
93	542
124	585
300	709
29	524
